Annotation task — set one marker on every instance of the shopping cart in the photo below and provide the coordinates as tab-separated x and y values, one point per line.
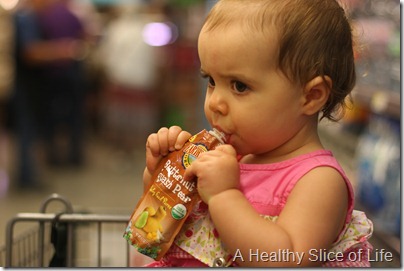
68	239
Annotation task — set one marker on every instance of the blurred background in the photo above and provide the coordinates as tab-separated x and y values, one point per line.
84	82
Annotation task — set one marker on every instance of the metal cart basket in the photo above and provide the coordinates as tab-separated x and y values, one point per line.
67	239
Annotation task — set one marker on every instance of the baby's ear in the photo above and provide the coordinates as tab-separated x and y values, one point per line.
316	93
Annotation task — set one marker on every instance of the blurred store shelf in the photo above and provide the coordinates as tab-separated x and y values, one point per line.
381	101
343	144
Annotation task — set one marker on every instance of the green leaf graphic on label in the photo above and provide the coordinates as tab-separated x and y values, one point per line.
141	221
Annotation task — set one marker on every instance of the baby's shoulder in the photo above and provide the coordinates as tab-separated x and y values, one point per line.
323	182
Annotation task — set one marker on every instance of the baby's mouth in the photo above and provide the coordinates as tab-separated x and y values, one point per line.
225	137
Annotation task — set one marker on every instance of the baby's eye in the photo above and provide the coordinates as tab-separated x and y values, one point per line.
211	82
239	86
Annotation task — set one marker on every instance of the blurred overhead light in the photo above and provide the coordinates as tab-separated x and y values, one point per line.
159	34
8	4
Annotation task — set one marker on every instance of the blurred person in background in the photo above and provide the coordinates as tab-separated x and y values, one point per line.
6	60
131	64
48	88
65	82
6	77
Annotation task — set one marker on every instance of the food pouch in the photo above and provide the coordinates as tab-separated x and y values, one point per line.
169	199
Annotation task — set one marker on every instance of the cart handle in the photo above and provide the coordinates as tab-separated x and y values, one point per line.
57	197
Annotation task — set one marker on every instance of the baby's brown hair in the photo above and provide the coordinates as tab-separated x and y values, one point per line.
315	39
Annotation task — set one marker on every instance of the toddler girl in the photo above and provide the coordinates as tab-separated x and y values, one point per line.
271	196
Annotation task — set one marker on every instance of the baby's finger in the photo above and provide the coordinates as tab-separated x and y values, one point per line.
182	139
173	133
152	145
162	136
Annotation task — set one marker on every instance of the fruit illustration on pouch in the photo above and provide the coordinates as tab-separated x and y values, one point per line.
141	221
150	222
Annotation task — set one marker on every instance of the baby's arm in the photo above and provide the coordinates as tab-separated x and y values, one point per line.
311	220
159	145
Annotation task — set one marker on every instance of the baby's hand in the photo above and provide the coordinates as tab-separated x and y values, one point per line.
216	171
161	143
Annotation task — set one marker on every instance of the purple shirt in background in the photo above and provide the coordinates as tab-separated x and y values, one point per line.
57	22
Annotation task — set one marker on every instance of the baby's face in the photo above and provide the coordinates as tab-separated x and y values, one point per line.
248	98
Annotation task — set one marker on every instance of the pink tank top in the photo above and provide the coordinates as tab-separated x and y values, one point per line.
267	188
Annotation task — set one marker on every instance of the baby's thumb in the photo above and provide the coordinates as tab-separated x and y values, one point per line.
190	173
229	149
152	160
